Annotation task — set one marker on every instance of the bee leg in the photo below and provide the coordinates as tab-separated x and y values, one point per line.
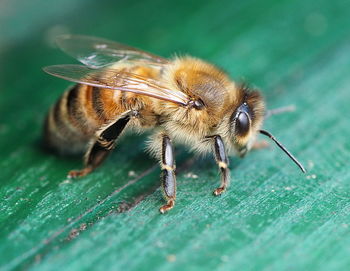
222	161
168	174
99	150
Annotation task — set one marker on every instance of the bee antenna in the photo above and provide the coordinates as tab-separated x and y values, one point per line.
291	156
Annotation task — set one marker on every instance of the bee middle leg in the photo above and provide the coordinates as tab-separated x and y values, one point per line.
168	174
99	150
222	161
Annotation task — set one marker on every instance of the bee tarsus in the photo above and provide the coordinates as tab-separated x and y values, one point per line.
222	161
100	148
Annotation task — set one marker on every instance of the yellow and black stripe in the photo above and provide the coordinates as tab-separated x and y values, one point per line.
82	110
74	119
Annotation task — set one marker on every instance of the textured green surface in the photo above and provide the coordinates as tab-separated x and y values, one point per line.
272	218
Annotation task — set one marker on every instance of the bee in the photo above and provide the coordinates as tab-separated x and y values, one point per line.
183	100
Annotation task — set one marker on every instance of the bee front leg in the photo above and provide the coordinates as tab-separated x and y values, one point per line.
222	161
99	150
168	174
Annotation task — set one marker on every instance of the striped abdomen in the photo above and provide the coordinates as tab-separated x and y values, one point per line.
78	114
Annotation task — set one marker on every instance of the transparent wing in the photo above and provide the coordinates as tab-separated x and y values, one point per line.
118	80
97	53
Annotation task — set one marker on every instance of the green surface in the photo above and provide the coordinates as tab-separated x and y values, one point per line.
272	217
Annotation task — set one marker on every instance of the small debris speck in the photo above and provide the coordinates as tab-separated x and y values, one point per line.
123	207
310	164
312	176
171	258
83	227
76	231
66	181
191	175
38	258
132	173
160	244
73	233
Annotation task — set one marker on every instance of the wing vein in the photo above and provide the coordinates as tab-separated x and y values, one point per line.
117	80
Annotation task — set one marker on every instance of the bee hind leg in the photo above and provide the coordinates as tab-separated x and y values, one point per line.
222	161
100	148
168	177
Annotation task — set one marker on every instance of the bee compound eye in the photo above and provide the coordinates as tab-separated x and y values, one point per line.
242	124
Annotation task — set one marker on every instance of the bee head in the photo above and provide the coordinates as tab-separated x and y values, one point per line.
246	119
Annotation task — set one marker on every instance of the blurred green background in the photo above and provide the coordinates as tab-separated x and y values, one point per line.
272	217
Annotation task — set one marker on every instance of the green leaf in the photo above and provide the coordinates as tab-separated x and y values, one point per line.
271	218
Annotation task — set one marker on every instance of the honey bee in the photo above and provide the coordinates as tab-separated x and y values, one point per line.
184	100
